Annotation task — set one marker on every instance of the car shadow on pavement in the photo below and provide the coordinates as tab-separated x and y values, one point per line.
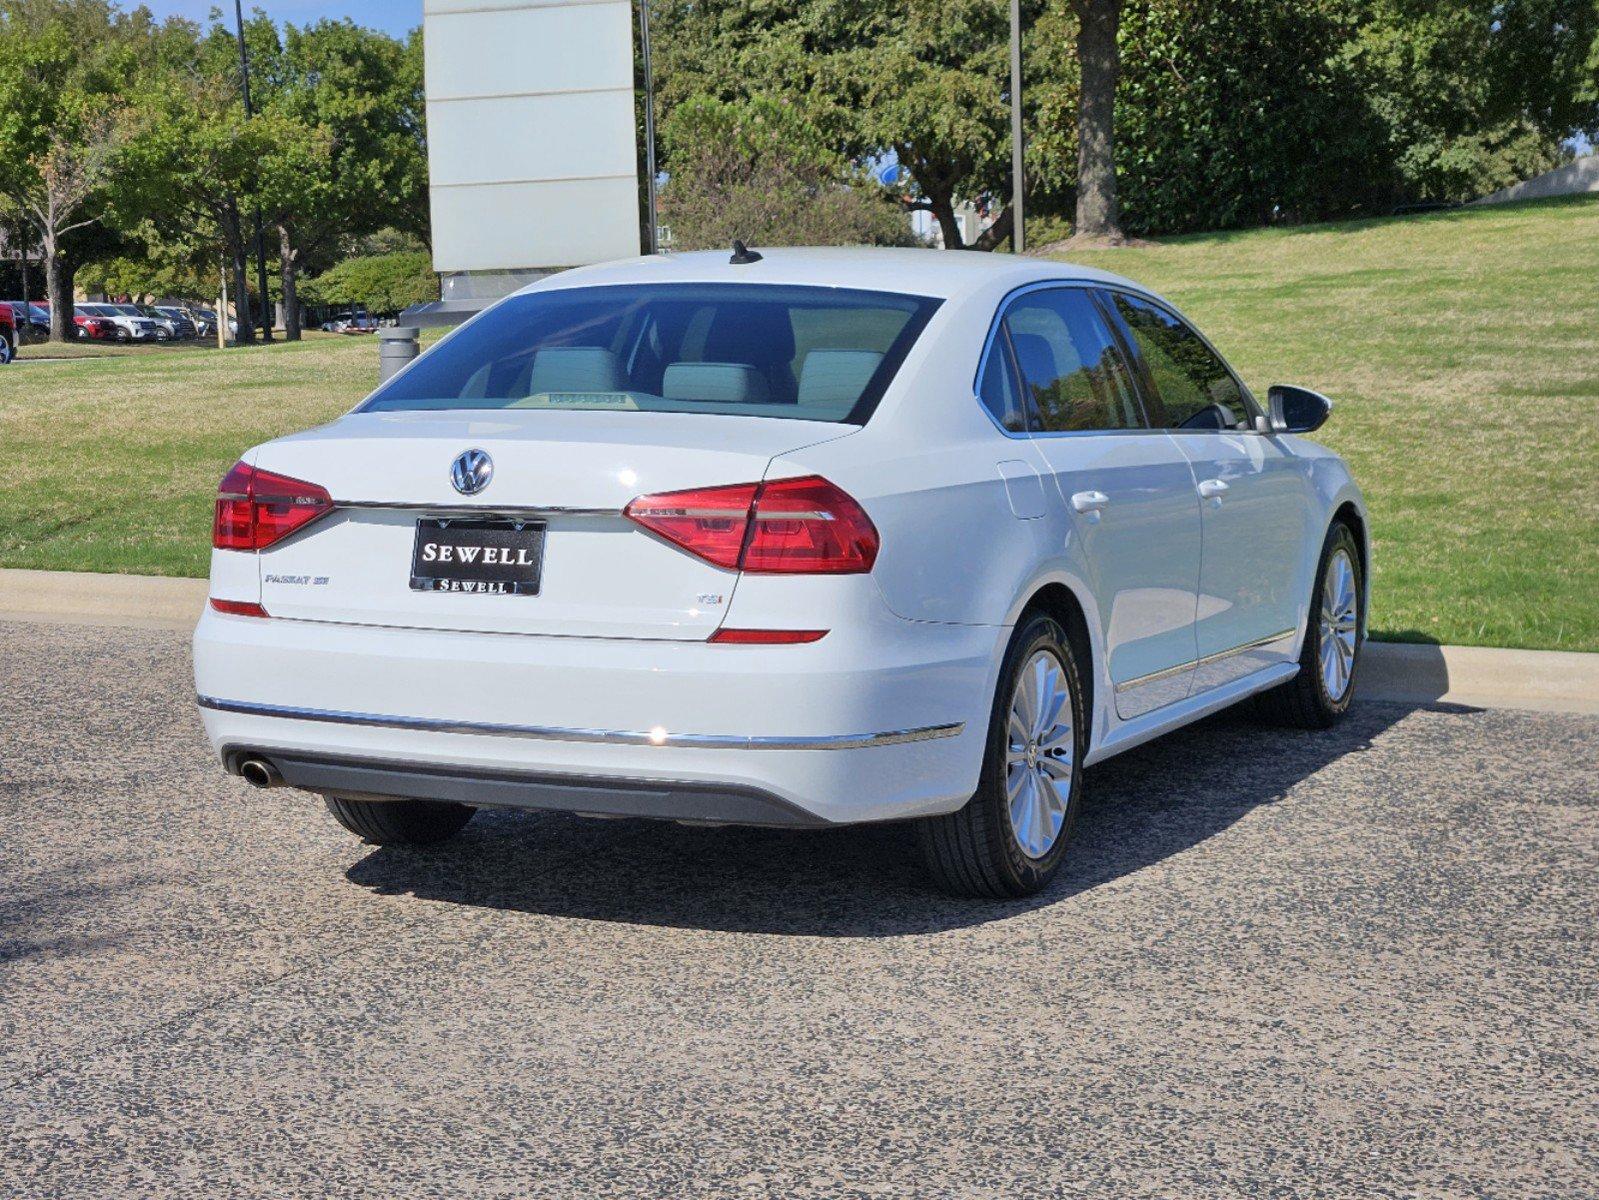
1140	808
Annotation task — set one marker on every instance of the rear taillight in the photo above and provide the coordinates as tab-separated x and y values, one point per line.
802	526
255	508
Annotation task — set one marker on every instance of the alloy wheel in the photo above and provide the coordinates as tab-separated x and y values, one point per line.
1340	619
1039	753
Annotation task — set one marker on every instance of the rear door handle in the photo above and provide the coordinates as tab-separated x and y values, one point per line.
1087	502
1212	489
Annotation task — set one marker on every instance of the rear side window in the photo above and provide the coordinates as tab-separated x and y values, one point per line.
807	353
1193	388
998	389
1071	369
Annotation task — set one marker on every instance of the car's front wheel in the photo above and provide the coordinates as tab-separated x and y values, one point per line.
1322	691
400	822
1011	836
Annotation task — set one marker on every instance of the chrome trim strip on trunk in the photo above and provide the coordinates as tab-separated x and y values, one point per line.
611	737
1194	665
477	510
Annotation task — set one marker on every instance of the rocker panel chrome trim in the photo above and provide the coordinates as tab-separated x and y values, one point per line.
1183	668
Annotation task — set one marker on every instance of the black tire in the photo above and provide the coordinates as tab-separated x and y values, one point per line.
83	334
8	351
1304	702
123	335
975	851
400	822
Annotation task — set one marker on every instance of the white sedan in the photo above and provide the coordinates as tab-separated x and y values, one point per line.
814	537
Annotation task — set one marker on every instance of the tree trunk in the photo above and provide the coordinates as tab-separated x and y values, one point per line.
287	256
1099	62
62	328
998	231
942	206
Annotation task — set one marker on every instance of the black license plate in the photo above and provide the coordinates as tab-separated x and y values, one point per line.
478	557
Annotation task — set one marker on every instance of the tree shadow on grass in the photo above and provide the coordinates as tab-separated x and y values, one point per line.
1140	808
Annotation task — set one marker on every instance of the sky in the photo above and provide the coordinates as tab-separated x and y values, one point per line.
392	16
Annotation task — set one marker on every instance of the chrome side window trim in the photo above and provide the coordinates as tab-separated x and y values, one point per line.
996	327
611	737
1250	403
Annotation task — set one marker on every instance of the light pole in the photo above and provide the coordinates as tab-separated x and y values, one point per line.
1018	236
260	242
651	244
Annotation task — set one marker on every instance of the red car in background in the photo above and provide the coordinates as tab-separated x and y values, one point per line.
88	327
8	335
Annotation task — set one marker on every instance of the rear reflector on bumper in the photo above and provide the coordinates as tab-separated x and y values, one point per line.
766	637
238	608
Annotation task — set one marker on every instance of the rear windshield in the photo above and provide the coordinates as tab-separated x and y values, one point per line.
806	353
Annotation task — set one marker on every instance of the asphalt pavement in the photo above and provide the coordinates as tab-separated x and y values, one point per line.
1361	963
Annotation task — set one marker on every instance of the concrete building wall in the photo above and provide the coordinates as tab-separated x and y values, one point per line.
1573	179
532	150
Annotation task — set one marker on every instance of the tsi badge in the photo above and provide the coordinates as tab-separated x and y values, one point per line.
471	472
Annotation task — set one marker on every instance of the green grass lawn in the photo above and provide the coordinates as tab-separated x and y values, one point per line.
1462	349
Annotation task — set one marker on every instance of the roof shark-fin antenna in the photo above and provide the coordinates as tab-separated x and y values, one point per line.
743	255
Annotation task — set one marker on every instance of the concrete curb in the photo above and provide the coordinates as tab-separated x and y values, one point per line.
1481	677
1477	676
84	598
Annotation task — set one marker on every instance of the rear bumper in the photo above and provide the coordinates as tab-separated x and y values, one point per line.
876	723
680	800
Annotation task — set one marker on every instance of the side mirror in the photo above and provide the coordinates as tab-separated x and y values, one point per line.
1297	409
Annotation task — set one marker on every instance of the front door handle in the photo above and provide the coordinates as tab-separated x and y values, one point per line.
1212	489
1087	502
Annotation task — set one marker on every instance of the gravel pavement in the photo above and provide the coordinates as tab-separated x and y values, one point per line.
1279	964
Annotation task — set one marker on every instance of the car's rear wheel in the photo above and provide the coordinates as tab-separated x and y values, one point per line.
7	350
1011	836
400	822
1322	691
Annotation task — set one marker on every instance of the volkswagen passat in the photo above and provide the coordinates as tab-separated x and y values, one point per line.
804	539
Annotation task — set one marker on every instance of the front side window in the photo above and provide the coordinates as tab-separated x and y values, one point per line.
1071	369
806	353
1193	388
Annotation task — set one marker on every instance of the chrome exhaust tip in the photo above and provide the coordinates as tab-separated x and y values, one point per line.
257	772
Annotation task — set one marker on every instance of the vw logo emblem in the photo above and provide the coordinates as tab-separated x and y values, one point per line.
471	472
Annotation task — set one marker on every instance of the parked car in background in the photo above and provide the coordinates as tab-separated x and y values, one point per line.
8	335
175	319
94	329
32	321
130	326
86	327
350	322
830	536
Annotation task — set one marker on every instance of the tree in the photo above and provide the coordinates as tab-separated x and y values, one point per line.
62	123
382	283
1098	61
926	81
1472	95
358	162
754	171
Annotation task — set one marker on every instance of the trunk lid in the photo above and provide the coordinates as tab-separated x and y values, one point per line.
601	575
